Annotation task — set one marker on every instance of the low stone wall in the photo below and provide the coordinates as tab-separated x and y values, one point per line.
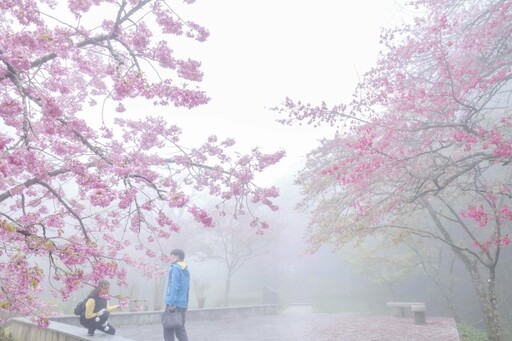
67	328
151	317
24	330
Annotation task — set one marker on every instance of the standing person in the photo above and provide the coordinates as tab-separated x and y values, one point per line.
176	293
97	310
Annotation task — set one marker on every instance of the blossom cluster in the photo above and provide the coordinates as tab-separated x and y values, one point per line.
81	198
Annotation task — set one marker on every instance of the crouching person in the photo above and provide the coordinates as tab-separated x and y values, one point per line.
97	310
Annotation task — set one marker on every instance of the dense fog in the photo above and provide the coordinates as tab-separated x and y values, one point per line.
355	279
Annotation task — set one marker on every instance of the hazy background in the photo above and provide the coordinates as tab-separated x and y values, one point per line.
258	53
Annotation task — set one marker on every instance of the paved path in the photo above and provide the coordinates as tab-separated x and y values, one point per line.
301	324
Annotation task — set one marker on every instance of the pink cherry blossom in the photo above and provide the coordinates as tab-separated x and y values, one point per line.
81	184
424	146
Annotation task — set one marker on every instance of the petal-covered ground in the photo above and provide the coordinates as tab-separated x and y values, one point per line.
380	328
301	324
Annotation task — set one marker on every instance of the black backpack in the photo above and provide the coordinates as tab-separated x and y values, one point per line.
80	308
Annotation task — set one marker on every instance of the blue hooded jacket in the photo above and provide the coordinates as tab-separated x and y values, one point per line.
178	285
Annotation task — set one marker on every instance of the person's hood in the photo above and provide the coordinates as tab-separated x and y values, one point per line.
182	265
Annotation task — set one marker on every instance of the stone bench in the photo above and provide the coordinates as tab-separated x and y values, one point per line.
419	313
417	308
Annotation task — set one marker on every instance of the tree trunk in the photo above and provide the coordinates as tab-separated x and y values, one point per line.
393	295
488	302
453	309
449	293
226	292
486	296
493	319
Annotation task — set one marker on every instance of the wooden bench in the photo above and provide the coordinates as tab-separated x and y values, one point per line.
417	308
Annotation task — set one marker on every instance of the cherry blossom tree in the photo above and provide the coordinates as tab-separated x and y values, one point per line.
428	133
75	194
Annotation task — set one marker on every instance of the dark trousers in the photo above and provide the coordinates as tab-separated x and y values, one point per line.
92	324
180	331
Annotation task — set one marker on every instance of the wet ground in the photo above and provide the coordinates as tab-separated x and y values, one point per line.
300	324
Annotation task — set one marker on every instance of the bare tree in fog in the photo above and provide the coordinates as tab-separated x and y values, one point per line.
383	265
188	238
201	289
437	262
410	254
234	243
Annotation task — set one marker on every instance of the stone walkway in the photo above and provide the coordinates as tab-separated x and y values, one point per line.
300	324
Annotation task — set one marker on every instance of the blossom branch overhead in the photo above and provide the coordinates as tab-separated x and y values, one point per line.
79	198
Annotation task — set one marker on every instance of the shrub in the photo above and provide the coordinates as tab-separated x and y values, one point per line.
468	333
5	335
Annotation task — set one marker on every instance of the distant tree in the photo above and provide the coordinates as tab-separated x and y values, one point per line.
429	130
396	256
385	267
77	177
438	263
201	290
234	243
